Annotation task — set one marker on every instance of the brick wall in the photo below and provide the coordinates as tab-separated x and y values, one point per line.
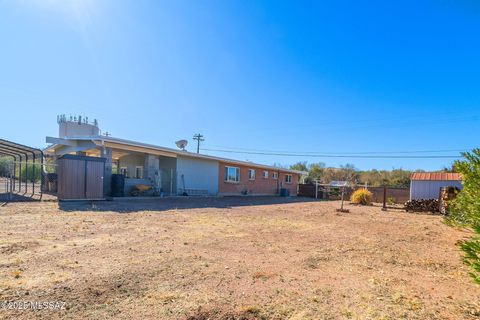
259	186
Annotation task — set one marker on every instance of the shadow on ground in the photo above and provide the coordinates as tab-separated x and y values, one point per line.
163	204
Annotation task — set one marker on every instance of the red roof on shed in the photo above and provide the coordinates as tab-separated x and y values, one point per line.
436	176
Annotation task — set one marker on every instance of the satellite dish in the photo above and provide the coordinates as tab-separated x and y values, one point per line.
181	144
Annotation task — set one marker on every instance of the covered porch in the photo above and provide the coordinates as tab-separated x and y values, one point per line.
146	171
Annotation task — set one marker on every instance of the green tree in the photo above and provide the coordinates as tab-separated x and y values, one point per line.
378	178
347	172
465	209
316	171
400	178
5	165
30	172
300	166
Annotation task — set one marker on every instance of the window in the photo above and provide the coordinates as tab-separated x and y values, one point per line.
265	174
275	175
232	174
139	172
251	174
123	170
288	178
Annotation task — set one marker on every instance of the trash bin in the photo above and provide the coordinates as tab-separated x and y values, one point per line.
118	184
284	192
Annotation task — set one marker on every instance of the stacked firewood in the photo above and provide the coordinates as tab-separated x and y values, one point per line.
447	194
422	205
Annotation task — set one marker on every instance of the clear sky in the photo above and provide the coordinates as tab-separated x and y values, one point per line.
299	76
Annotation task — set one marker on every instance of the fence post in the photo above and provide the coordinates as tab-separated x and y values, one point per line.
384	208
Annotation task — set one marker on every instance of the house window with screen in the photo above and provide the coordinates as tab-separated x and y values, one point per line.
275	175
251	174
232	174
288	178
265	174
139	172
123	170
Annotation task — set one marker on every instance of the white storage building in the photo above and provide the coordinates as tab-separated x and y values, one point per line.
426	185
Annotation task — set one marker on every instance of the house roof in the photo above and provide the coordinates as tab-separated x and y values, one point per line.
100	139
436	176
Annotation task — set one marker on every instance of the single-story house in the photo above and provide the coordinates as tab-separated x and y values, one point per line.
426	185
174	171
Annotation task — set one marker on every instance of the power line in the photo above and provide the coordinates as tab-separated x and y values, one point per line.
338	155
335	153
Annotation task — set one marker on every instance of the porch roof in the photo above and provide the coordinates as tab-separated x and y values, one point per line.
129	145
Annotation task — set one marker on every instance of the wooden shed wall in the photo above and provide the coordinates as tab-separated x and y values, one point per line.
80	178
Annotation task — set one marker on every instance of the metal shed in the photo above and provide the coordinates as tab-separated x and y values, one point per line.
80	177
426	185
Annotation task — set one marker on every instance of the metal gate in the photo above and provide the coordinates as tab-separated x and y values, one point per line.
80	177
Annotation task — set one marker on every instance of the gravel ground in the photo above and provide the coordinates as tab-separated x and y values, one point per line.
231	258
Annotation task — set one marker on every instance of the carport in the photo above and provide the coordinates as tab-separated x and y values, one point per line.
21	172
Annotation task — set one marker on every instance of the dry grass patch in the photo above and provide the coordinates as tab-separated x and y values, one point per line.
231	261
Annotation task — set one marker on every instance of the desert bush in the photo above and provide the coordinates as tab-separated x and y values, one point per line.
391	201
465	208
362	196
472	255
30	172
5	164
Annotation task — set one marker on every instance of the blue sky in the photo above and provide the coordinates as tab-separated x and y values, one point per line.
301	76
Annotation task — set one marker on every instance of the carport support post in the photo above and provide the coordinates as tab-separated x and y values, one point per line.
107	174
14	172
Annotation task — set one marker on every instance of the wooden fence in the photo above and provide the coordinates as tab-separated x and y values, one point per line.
393	194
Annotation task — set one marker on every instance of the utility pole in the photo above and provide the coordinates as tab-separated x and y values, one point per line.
199	138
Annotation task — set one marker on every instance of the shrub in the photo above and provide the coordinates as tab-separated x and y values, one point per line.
30	172
391	201
472	255
464	210
362	196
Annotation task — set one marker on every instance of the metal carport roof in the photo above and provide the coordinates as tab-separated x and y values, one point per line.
22	155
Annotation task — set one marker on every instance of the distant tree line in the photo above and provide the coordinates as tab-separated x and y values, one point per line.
29	172
348	172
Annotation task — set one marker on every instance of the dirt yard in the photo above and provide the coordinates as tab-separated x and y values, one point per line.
231	258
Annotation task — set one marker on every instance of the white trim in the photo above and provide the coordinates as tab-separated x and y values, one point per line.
275	175
136	168
288	176
226	175
265	174
251	177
